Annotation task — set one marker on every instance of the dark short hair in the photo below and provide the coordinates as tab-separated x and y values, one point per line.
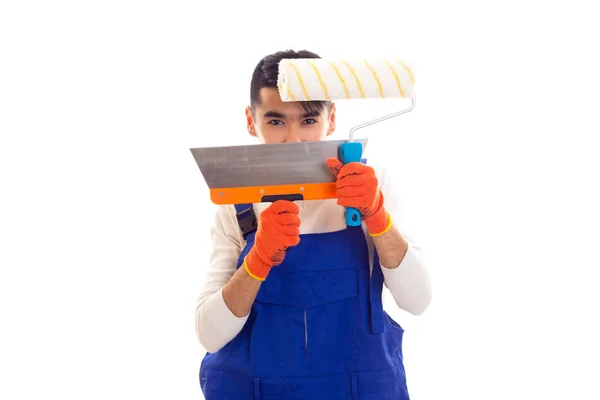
265	75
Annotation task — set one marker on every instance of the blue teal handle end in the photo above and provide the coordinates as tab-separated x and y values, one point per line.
353	217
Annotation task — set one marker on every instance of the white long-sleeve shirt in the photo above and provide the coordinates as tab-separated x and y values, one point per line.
216	325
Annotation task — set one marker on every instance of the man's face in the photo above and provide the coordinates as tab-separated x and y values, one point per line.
275	121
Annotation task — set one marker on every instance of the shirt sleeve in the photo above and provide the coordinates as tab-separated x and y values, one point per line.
409	283
216	325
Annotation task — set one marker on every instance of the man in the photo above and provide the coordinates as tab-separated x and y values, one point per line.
293	310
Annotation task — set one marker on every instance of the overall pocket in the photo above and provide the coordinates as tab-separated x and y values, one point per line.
311	319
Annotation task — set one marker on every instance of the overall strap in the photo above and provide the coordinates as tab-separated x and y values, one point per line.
246	220
375	291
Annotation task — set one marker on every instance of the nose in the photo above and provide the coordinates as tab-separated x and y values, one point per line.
293	135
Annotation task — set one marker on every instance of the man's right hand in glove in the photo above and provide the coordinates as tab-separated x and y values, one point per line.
278	229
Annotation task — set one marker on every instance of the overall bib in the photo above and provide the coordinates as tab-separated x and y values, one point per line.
317	329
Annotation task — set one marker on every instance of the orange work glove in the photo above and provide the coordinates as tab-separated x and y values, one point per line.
278	229
358	187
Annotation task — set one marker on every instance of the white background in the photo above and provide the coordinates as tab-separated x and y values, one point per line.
104	216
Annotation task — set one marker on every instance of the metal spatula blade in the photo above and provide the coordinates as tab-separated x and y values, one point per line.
267	172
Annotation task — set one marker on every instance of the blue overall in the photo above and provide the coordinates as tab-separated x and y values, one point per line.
317	329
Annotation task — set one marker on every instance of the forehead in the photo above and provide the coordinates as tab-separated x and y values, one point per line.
271	101
269	97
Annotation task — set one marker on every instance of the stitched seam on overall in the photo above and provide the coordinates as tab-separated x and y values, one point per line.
375	371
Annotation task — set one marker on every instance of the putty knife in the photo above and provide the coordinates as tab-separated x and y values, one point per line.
269	172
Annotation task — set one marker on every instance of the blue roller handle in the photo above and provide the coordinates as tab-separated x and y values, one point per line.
351	152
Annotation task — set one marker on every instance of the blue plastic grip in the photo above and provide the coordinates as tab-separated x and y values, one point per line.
351	152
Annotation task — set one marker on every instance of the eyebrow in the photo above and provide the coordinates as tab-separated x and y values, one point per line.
276	114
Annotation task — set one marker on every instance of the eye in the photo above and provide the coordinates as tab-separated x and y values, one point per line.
275	122
310	121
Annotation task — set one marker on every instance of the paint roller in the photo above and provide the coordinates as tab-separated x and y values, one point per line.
317	79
